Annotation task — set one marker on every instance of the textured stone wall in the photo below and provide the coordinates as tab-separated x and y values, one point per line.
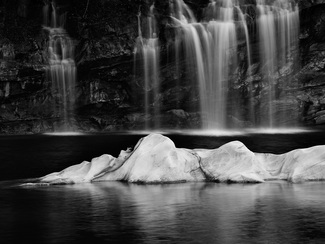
109	96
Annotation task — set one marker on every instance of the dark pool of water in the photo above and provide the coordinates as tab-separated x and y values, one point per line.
113	212
110	212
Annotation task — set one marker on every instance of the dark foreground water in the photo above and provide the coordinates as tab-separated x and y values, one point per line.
113	212
178	213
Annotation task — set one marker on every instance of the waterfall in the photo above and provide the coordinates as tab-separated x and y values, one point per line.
278	27
214	55
147	47
211	48
62	68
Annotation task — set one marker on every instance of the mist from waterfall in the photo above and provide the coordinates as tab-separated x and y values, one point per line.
147	48
62	68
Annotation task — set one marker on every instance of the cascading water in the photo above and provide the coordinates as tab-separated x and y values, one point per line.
215	50
211	46
278	27
147	47
62	68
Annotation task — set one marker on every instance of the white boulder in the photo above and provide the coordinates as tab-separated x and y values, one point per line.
155	159
231	162
296	166
87	171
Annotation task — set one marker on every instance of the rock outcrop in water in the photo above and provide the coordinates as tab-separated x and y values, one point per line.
155	159
231	162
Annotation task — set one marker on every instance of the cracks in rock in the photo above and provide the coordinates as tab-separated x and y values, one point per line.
207	177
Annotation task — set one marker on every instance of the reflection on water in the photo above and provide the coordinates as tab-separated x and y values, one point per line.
275	212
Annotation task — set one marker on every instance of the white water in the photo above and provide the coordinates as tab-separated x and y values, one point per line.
211	52
62	68
67	133
226	132
278	27
147	48
211	48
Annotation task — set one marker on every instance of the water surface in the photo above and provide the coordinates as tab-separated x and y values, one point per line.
274	212
114	212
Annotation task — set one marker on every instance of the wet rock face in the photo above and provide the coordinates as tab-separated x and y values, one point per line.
310	78
303	4
110	96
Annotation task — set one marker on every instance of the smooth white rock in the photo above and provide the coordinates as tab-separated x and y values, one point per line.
87	171
297	165
232	162
155	159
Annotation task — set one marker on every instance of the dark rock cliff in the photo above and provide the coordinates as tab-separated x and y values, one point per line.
109	94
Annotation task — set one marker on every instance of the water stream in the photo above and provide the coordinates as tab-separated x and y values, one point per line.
278	27
214	49
62	68
147	47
